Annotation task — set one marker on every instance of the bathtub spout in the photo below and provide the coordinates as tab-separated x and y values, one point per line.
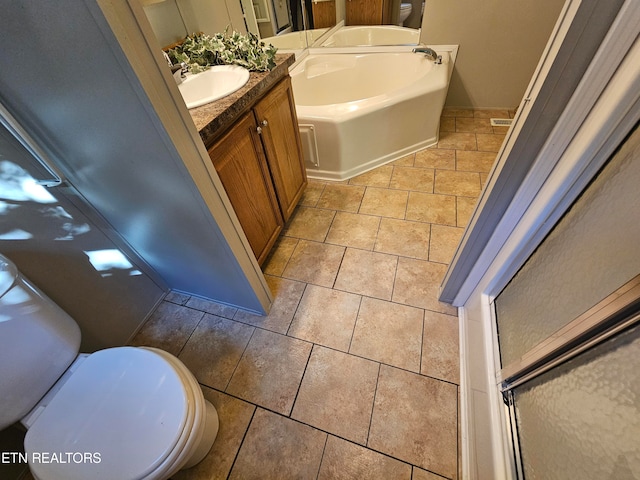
429	53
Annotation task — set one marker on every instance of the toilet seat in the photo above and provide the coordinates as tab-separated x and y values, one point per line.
131	406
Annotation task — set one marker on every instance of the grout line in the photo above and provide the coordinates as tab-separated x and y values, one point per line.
324	449
304	372
422	343
373	406
353	330
235	369
235	458
304	290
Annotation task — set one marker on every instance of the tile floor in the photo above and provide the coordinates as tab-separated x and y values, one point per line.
354	374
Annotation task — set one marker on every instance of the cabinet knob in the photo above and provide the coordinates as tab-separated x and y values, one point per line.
264	123
259	130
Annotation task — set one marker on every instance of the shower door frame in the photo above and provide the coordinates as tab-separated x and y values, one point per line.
614	314
603	110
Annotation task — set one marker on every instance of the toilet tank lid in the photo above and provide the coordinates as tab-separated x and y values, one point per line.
118	416
8	274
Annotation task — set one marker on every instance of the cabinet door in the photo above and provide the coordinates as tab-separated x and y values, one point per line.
276	115
324	14
239	160
364	12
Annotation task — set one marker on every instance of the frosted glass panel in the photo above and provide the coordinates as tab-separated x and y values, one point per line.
582	419
592	251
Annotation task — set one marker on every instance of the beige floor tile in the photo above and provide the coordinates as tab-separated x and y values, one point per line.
473	125
341	197
234	416
367	273
336	394
440	349
419	474
211	307
286	297
491	113
427	207
500	130
484	177
277	260
466	184
436	158
457	112
406	161
403	428
418	284
457	141
443	244
354	230
471	161
214	350
316	263
177	298
402	237
168	328
378	177
278	448
326	317
410	178
312	193
489	142
465	207
384	202
309	223
447	124
388	333
270	371
344	460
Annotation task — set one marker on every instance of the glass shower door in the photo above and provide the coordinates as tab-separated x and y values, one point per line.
581	420
568	330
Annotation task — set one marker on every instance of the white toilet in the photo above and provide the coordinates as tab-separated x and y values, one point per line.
405	11
119	413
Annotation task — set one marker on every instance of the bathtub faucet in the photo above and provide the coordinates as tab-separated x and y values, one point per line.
429	53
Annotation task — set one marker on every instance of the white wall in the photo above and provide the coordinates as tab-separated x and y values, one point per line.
500	45
172	20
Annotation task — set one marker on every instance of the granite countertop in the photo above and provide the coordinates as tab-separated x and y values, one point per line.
214	118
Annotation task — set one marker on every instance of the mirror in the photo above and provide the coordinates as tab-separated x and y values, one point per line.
290	25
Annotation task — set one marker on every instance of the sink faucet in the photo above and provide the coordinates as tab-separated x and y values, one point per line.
429	53
177	71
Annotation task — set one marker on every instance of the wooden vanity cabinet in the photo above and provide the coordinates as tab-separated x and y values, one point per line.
259	161
276	114
240	162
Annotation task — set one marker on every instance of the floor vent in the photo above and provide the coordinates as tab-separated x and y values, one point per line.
501	122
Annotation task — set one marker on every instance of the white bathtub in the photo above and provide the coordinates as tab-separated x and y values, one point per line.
359	111
355	36
295	40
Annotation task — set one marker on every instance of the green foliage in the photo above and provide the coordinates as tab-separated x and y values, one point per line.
200	51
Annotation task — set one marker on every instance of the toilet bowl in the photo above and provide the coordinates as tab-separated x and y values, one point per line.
405	11
123	412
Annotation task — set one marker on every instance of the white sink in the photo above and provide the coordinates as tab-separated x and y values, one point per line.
212	84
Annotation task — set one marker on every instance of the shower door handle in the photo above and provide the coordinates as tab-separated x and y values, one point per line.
14	127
